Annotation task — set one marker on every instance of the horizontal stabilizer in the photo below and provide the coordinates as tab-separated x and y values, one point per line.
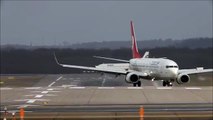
114	59
146	54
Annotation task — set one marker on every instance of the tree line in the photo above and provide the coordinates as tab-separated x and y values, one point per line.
41	61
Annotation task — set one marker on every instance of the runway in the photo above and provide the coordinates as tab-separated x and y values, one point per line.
76	95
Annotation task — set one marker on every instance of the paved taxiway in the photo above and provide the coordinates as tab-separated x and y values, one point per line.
61	94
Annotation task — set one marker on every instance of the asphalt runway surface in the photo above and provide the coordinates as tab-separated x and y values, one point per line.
95	96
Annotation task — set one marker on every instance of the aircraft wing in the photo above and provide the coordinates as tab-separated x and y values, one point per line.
106	70
99	68
194	71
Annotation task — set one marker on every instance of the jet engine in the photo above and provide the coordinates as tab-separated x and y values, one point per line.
132	78
183	78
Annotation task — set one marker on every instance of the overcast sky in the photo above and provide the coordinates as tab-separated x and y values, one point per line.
57	22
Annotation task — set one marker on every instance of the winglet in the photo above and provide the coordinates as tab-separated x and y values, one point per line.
135	53
56	60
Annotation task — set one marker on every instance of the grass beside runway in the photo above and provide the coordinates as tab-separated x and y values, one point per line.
92	80
19	80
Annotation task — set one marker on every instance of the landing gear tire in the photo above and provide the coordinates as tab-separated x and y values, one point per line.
164	83
137	84
167	83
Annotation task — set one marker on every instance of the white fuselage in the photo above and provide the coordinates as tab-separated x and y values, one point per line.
156	68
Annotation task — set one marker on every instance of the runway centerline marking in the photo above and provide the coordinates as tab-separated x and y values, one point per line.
192	88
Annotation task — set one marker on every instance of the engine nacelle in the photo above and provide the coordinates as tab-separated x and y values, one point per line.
132	78
183	78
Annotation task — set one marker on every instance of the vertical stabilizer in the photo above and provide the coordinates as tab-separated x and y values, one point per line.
135	53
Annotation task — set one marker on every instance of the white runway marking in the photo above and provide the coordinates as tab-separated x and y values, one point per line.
16	111
51	84
30	101
134	88
193	88
65	86
43	95
24	106
44	92
104	80
102	84
31	88
54	88
54	91
49	95
164	88
59	78
106	87
77	87
39	96
6	88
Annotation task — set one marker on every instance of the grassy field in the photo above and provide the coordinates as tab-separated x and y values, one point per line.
205	79
19	80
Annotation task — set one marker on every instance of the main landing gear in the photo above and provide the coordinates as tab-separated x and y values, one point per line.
167	83
138	83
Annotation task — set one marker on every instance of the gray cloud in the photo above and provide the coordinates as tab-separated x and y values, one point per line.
53	22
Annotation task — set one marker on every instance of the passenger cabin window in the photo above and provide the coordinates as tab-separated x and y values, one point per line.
170	66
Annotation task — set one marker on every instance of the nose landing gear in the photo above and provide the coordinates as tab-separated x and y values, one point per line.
138	83
167	83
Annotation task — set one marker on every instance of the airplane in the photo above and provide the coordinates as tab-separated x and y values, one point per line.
143	67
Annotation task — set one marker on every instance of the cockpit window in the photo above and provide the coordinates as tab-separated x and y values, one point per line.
170	66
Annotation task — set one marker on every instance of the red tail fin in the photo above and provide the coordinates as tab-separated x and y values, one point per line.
135	53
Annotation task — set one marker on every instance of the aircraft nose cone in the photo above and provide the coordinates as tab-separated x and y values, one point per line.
174	72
